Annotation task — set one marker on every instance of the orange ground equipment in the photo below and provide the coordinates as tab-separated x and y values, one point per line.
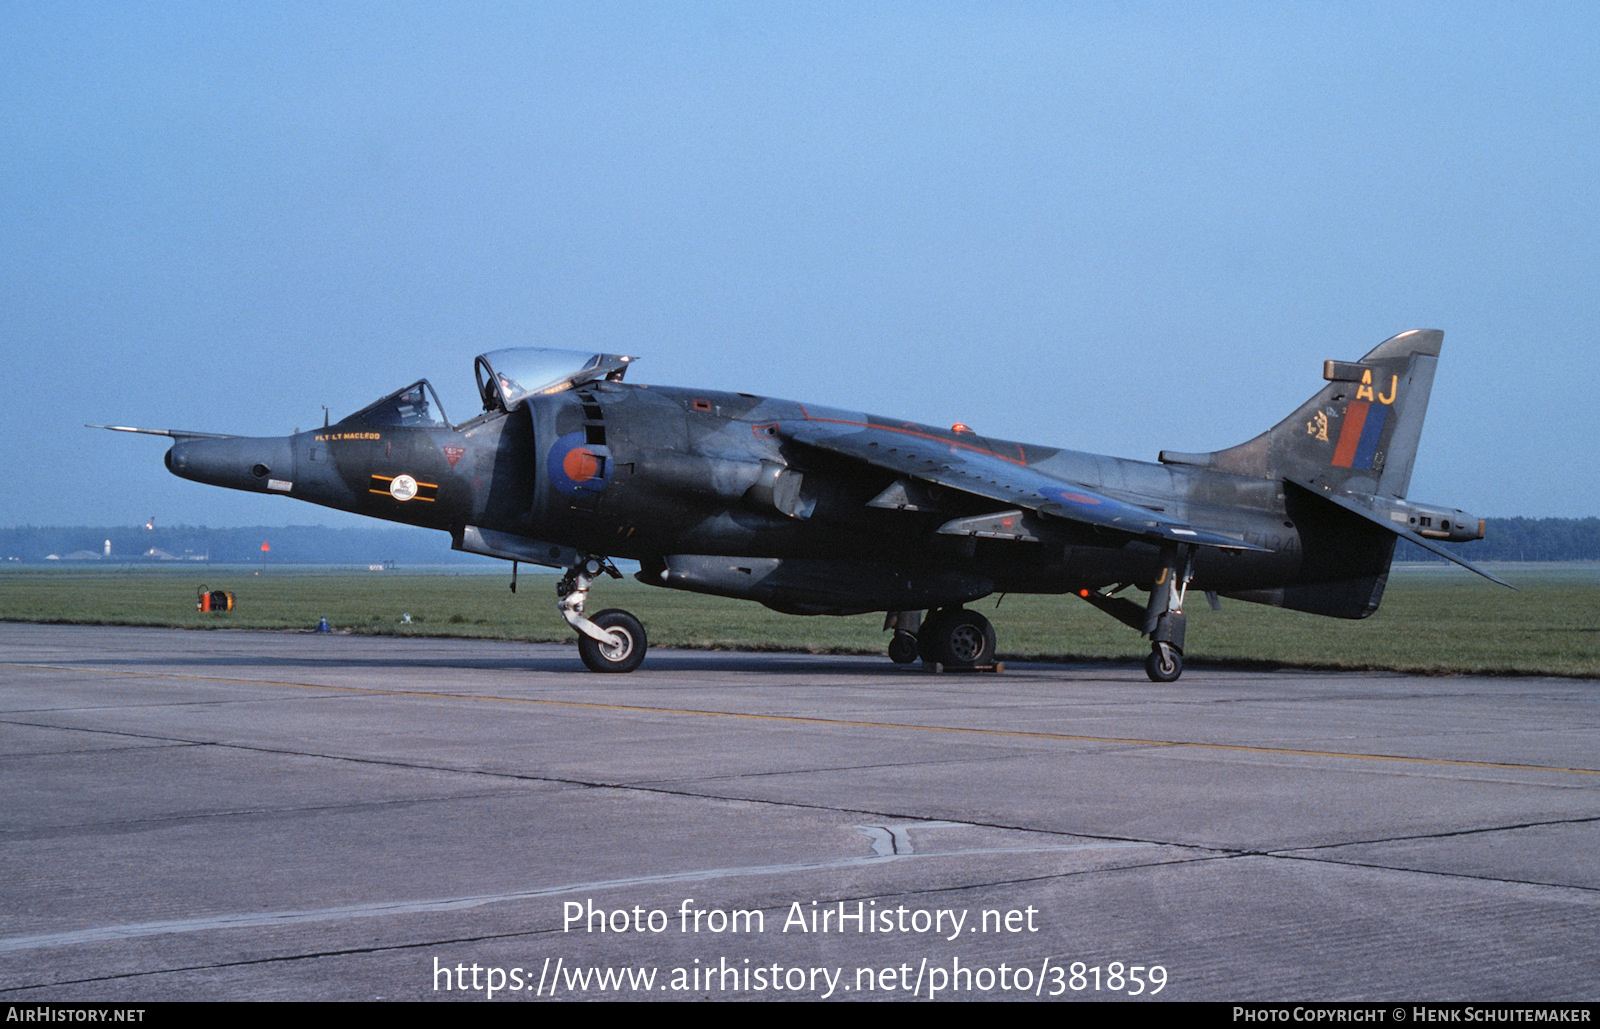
214	600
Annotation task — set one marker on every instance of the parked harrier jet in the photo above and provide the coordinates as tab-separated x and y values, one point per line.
811	510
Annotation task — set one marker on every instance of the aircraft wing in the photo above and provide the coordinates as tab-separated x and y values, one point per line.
975	470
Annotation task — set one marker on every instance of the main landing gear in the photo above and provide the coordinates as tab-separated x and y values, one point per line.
613	640
952	637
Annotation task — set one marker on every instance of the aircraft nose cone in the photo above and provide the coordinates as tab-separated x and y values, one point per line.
259	465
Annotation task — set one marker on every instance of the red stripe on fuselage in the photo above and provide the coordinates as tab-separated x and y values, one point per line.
1355	417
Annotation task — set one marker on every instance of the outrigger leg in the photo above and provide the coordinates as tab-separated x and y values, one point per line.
613	640
903	645
1164	620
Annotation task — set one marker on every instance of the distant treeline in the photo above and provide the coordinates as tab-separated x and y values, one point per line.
1507	539
194	544
1522	539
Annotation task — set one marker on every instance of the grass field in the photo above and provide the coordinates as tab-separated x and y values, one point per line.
1432	620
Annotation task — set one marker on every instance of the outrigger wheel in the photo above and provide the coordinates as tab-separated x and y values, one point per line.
1164	664
903	648
956	638
625	654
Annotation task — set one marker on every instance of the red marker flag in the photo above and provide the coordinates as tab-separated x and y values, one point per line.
264	547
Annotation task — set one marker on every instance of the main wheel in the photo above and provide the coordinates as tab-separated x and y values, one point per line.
623	656
959	638
1164	664
903	648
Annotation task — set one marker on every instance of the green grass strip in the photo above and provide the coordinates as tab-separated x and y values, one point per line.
1433	621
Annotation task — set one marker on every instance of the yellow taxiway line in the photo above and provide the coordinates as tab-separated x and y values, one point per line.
837	722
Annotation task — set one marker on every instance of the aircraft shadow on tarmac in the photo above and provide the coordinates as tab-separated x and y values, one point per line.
813	665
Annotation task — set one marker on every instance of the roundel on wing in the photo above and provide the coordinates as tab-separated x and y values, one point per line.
576	467
1068	496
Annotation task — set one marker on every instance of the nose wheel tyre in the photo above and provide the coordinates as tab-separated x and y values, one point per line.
958	638
622	656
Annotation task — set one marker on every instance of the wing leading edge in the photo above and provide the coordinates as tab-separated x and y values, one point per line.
970	469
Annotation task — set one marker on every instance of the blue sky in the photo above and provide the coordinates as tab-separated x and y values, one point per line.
1111	227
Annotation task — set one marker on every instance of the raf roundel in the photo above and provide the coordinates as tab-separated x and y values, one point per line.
576	467
1069	497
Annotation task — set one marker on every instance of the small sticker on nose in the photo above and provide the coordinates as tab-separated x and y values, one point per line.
404	487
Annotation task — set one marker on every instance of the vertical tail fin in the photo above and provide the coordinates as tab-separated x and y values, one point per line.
1359	433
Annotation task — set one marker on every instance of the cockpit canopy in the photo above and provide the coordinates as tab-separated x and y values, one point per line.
505	379
416	406
508	377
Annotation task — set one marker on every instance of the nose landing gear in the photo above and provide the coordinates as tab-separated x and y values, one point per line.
623	655
613	640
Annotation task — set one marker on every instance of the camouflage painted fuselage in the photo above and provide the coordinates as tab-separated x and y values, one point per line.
692	483
813	510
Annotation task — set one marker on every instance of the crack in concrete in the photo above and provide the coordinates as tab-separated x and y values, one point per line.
1348	863
1442	835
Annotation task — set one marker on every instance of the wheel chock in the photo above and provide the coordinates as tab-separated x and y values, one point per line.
938	667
